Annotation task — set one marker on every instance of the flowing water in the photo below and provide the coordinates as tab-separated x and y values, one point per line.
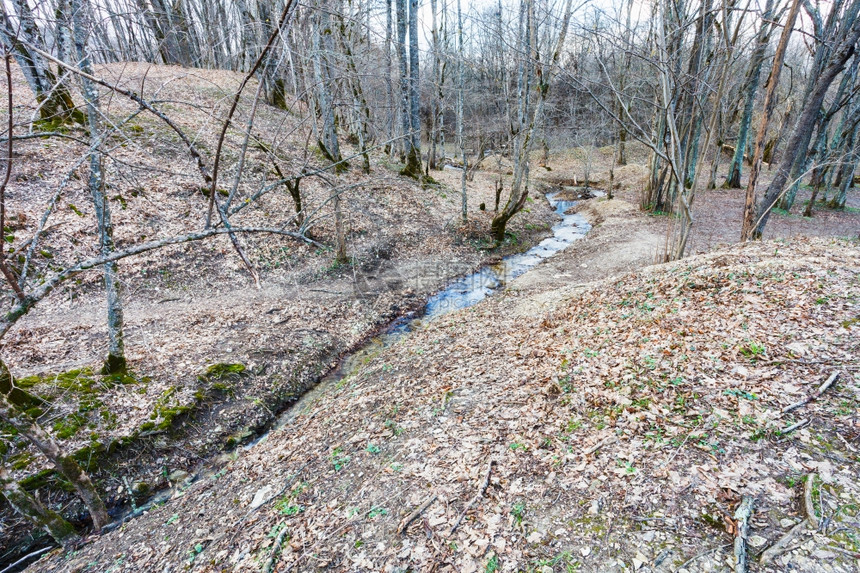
462	293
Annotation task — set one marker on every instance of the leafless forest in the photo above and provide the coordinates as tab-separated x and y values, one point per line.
142	130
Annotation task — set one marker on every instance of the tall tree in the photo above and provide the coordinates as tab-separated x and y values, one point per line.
843	48
750	90
115	361
55	101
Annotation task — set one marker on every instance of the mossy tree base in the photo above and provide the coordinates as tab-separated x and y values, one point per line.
413	165
114	365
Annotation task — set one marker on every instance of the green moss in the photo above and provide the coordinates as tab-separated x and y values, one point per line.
168	414
45	478
239	438
34	412
20	461
222	371
66	427
27	382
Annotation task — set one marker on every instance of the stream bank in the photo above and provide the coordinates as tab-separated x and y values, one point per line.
216	413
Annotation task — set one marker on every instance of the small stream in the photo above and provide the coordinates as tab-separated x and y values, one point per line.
461	293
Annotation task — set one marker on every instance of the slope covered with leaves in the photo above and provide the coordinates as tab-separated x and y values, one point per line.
193	306
615	430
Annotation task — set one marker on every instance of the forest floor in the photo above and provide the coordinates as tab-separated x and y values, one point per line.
613	425
620	410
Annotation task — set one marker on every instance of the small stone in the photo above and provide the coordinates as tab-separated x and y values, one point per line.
534	537
177	476
585	551
648	536
757	541
639	560
261	496
823	554
786	522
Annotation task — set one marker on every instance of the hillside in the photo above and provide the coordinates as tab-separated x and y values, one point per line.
610	425
192	307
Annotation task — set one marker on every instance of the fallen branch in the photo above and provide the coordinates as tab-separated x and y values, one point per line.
600	444
481	488
276	548
48	286
21	561
411	517
781	546
815	395
793	427
808	504
742	516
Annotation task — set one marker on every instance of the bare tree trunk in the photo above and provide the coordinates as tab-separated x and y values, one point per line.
413	157
436	103
55	102
115	361
530	66
806	120
24	503
328	142
460	142
389	89
749	223
522	137
733	181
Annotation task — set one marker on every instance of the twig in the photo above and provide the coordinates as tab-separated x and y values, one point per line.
14	566
853	554
7	272
808	504
815	395
411	517
794	427
276	548
780	546
742	516
260	59
598	445
481	488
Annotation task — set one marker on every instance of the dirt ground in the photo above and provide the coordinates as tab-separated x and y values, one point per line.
607	426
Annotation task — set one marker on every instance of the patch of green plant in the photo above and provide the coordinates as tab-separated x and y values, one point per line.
289	509
518	510
222	371
740	394
392	425
753	349
376	512
68	426
492	564
373	449
339	459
